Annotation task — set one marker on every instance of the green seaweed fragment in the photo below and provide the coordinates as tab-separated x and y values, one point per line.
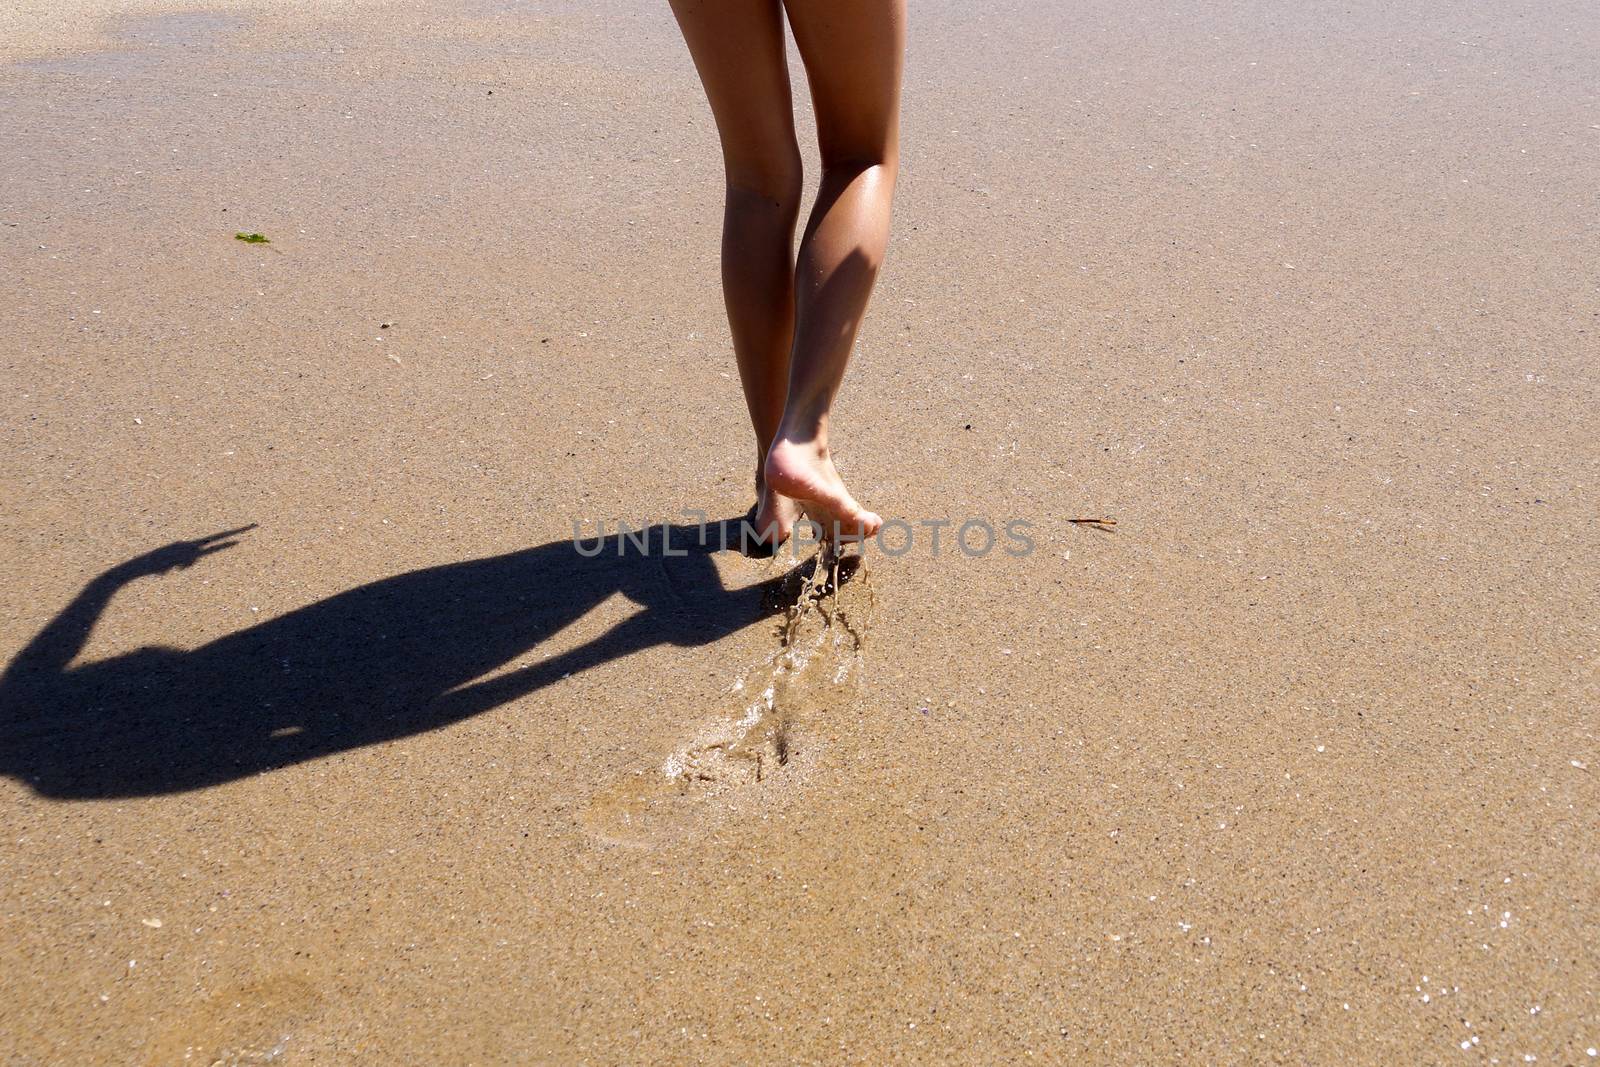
252	238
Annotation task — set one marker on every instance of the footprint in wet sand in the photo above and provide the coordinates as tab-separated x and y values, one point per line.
731	759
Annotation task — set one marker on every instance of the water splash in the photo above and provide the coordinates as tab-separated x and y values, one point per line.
815	671
824	629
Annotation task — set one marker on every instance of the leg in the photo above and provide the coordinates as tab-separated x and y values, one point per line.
853	52
738	49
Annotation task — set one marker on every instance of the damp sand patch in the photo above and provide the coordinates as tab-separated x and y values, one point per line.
761	739
254	1022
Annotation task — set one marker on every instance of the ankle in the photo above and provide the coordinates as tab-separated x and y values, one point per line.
804	428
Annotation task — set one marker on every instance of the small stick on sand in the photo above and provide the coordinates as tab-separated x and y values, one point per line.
1094	522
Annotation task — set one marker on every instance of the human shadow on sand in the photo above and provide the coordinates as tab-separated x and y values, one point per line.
384	660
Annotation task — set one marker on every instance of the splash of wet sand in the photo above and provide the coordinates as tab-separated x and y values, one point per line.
815	671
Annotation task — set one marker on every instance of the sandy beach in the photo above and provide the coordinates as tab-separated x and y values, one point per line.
1297	762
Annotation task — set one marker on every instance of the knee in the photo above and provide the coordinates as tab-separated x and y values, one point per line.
851	164
774	182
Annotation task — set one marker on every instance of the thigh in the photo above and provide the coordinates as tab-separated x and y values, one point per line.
739	52
854	52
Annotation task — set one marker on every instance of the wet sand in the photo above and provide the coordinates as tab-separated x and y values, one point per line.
1297	764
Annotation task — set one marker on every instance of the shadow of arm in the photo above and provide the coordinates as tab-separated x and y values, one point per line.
60	642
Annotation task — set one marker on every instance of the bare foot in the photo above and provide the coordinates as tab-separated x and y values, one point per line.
771	522
775	517
803	471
